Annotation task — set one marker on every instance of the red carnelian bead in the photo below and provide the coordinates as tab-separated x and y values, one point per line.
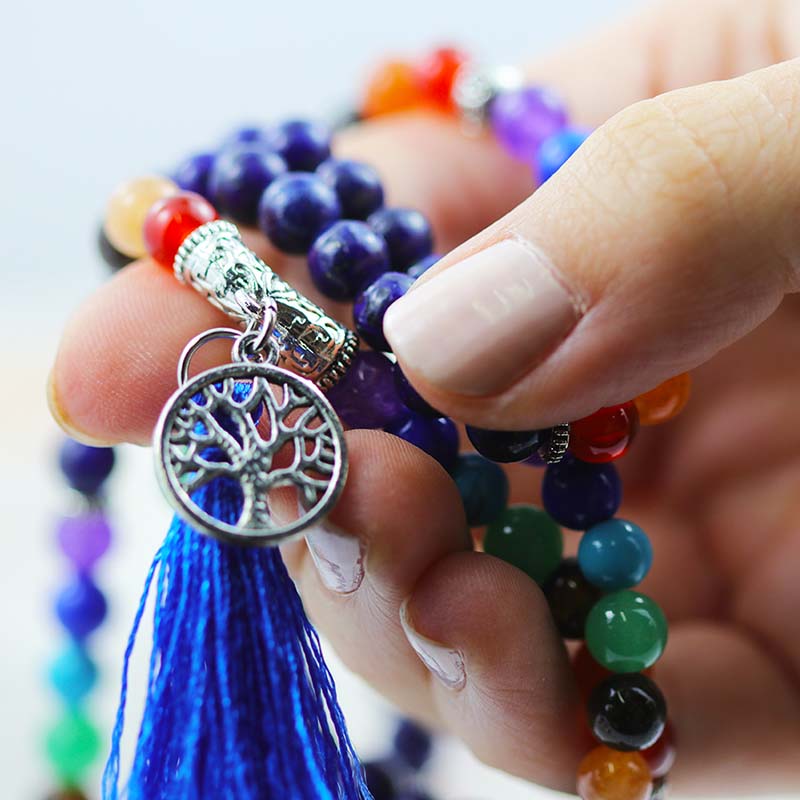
661	756
170	220
605	435
394	86
437	72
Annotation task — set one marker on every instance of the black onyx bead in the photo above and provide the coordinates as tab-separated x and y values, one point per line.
412	743
627	712
504	447
571	598
379	781
113	258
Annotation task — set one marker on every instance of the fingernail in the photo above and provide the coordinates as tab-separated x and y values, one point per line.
480	325
446	663
338	556
63	422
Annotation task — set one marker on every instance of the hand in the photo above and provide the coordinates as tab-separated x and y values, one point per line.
661	246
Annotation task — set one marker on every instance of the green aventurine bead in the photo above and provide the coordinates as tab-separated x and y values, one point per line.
72	745
528	538
626	631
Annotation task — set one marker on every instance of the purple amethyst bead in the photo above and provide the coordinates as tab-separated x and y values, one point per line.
523	118
407	232
85	468
366	396
437	437
357	186
303	144
249	134
372	304
84	539
411	397
81	607
422	266
192	173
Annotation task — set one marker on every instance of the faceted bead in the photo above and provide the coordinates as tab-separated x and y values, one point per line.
437	73
346	258
664	402
555	150
437	437
523	118
72	745
85	468
504	447
626	631
528	538
128	206
303	144
393	87
411	398
366	396
358	186
412	743
239	177
371	305
571	598
112	257
191	175
407	232
615	554
605	435
379	780
81	607
606	774
171	220
83	539
660	756
67	793
73	674
423	265
483	486
578	495
295	209
627	712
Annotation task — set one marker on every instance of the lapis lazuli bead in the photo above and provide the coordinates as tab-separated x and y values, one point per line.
411	397
423	265
372	304
412	743
437	437
578	495
304	144
556	149
247	134
296	208
85	468
357	186
192	173
81	607
615	554
523	118
407	232
483	486
346	258
504	447
73	674
238	179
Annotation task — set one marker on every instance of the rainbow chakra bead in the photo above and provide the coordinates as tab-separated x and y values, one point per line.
606	774
571	597
605	435
615	554
556	150
666	401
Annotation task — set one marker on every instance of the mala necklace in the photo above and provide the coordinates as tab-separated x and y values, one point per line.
234	659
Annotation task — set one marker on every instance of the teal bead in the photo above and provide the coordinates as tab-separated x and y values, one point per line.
73	674
72	745
615	554
528	538
626	631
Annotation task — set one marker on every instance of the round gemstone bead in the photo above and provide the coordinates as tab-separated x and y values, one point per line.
422	266
112	257
407	232
379	780
191	175
528	538
303	144
366	396
72	745
171	220
247	134
660	756
626	631
394	86
437	73
505	447
128	206
346	258
606	774
371	305
411	397
239	177
81	607
666	401
73	674
357	186
83	539
571	597
627	712
578	495
523	118
605	435
556	149
483	486
412	744
295	209
615	554
85	468
437	437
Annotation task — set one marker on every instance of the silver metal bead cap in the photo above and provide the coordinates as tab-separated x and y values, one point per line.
474	88
556	446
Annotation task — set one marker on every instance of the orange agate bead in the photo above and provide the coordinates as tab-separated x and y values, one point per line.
665	401
437	73
394	86
606	774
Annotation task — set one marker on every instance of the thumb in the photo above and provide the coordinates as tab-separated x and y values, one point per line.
672	232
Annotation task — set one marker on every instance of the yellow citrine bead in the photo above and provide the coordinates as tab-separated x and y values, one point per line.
665	401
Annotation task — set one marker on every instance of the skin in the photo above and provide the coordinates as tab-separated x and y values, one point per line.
700	185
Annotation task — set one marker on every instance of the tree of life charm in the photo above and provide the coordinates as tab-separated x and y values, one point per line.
269	433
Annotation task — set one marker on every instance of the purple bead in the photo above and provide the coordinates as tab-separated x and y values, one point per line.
504	447
407	232
412	743
411	398
357	186
437	437
85	468
248	134
239	177
422	266
347	257
84	539
523	118
295	209
81	607
556	150
192	173
303	144
366	396
372	304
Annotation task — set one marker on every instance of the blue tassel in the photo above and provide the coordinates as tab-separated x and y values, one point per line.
240	703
